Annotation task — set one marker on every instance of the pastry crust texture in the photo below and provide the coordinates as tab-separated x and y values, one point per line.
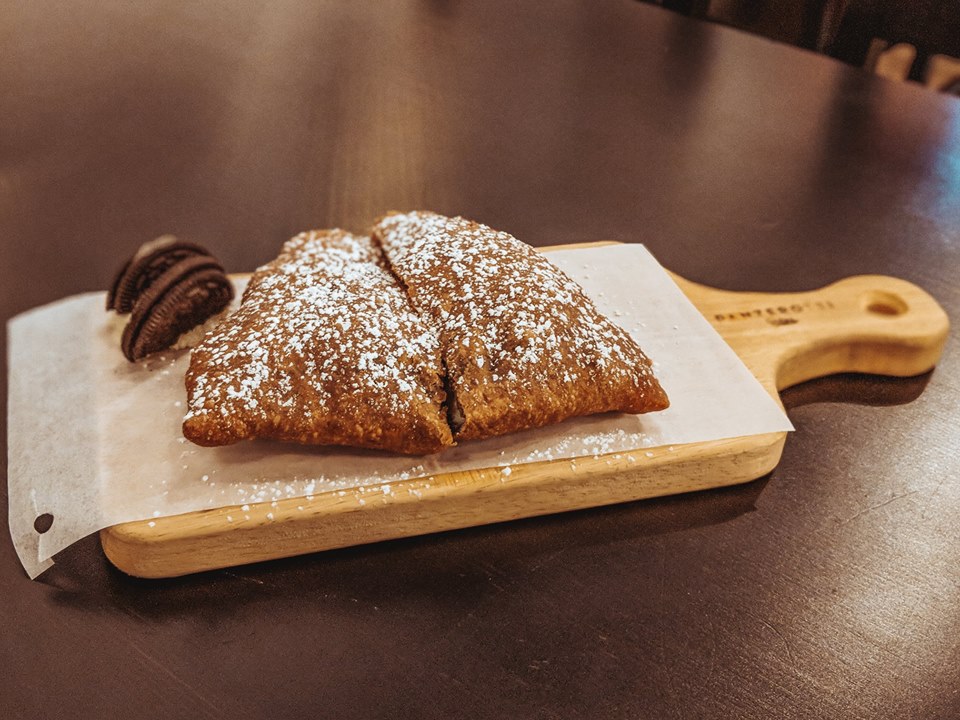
522	345
324	349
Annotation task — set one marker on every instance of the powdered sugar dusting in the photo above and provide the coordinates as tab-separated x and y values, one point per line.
323	329
493	293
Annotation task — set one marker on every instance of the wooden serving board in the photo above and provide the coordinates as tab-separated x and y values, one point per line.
868	324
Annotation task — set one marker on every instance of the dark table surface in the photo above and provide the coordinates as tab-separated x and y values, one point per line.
830	588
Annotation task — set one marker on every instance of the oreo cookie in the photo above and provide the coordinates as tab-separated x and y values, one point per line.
151	261
183	296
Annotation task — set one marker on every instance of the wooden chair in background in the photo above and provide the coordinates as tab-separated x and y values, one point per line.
901	40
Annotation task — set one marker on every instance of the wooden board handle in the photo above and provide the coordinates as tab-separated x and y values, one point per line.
867	323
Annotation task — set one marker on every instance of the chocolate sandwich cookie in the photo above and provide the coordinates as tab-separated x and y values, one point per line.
182	297
151	261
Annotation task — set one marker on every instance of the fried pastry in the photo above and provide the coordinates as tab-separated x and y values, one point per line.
324	349
522	345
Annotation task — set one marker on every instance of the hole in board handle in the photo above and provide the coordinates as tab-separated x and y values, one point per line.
879	302
43	523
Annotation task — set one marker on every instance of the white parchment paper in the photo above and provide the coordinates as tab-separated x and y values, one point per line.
95	440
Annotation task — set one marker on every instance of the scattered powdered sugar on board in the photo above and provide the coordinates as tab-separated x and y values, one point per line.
133	468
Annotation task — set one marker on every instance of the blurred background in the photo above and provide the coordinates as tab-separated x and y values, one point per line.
915	40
